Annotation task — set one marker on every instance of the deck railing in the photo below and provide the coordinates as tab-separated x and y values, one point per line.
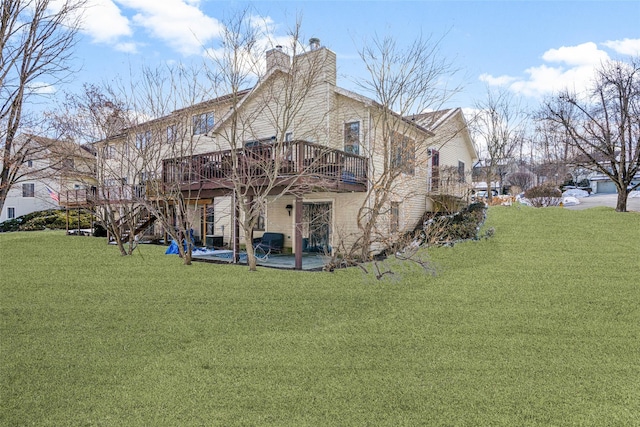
300	159
96	195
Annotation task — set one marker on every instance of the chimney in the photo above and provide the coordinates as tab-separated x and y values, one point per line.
314	43
277	58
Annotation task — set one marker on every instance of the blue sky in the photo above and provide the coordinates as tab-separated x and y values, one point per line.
531	47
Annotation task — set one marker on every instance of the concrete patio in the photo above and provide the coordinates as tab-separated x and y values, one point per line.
310	261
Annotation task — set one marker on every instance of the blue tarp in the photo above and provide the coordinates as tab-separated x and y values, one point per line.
173	247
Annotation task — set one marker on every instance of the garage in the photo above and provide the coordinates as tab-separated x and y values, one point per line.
604	187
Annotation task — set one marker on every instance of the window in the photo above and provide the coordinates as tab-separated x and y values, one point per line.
461	172
210	220
29	163
28	190
404	153
109	151
394	217
143	139
202	123
11	213
288	137
260	222
172	134
352	137
435	170
145	176
68	164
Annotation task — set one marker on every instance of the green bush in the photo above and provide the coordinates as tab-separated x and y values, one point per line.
46	220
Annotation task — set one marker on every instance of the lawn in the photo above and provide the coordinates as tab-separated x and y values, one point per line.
538	325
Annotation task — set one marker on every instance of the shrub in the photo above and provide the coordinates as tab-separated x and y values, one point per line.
447	203
544	195
50	219
463	225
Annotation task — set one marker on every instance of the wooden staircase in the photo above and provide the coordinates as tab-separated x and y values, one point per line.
143	220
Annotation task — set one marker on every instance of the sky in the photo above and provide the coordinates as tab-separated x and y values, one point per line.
530	47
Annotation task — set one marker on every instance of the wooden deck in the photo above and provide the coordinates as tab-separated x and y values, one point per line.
296	163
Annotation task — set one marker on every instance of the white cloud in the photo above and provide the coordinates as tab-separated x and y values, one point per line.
496	81
41	88
126	47
569	67
624	47
583	54
179	23
104	22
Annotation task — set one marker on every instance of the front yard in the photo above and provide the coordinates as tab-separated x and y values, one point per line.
538	325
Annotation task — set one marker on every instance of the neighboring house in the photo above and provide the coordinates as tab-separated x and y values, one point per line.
598	181
57	171
330	158
602	184
501	171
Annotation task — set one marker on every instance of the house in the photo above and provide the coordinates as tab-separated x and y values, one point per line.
53	174
316	157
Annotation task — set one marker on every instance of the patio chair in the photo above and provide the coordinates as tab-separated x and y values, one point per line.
269	243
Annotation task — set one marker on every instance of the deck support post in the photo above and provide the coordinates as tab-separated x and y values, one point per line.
298	234
236	229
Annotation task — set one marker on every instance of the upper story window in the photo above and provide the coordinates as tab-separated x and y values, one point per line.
28	190
143	139
352	137
172	134
404	153
29	163
109	151
202	123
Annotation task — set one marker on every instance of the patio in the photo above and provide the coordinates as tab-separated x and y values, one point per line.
310	261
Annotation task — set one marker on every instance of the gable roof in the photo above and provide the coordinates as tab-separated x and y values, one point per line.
368	102
436	119
61	147
433	119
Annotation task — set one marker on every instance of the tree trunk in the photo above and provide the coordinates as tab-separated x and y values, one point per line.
621	204
251	256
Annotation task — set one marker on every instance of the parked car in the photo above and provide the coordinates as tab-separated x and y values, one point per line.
482	194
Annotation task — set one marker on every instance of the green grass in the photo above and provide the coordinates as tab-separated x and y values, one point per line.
539	325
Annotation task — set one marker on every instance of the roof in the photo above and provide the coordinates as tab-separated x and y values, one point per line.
62	147
433	119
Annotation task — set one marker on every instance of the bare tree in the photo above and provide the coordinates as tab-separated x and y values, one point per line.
404	82
521	179
37	38
258	164
148	126
499	125
169	95
553	153
603	125
96	115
